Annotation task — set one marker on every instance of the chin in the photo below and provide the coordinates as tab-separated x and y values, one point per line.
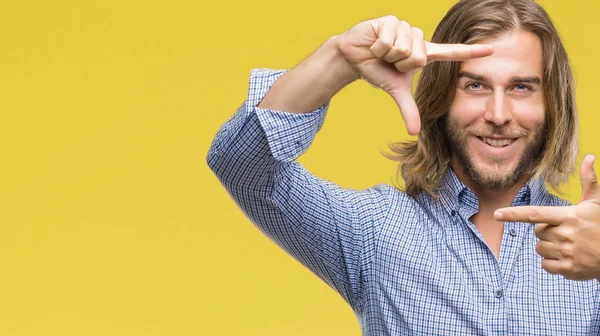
494	176
494	166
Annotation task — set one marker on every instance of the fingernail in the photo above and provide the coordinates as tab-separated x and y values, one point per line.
498	215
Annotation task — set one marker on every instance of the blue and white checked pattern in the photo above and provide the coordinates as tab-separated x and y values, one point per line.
407	266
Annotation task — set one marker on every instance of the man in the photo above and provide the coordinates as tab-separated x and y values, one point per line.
496	121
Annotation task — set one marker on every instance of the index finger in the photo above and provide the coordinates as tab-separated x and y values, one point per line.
456	52
554	215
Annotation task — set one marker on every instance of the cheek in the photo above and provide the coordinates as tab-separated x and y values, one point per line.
467	110
530	114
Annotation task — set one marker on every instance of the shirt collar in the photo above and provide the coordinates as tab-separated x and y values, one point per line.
455	196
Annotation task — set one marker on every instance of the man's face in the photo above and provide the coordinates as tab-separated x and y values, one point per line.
496	121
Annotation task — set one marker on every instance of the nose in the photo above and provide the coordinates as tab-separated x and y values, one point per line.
499	110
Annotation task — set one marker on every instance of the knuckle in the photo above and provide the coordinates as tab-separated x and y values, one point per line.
385	45
421	61
538	247
532	215
403	51
571	216
404	25
567	252
593	178
570	220
417	31
565	234
391	18
509	215
454	54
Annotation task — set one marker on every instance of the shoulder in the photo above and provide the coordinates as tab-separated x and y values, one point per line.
399	203
393	194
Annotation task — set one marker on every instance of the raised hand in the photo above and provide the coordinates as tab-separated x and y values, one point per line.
569	236
387	52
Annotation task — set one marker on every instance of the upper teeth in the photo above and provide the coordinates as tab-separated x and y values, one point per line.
497	142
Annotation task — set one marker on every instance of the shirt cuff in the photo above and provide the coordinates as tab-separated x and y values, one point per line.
288	134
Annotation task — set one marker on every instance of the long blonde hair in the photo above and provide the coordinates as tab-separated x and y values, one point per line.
423	162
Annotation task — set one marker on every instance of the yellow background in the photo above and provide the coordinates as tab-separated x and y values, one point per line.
110	221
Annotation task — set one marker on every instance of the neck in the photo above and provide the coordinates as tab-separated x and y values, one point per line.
489	200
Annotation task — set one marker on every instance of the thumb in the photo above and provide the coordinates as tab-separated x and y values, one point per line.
589	181
410	113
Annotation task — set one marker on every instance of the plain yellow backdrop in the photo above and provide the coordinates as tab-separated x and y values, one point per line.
110	221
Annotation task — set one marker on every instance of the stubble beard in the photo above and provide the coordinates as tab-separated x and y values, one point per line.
457	140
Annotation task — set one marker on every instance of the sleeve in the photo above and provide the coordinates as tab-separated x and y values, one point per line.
327	228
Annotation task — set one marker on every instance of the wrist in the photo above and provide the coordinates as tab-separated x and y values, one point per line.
345	71
312	82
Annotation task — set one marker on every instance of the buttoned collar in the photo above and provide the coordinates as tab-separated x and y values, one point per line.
457	197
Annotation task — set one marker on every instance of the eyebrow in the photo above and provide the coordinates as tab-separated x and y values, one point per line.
514	79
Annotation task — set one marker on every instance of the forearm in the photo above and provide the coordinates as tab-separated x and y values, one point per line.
312	82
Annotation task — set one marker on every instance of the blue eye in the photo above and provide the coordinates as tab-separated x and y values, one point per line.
474	86
521	87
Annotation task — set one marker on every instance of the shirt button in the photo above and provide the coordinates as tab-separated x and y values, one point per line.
453	213
498	294
513	232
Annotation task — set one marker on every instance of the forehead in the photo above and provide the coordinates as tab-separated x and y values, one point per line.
517	53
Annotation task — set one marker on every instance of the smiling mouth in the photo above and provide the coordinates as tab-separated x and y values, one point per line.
497	142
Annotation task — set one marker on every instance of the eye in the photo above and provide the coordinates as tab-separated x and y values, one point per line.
522	87
474	86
